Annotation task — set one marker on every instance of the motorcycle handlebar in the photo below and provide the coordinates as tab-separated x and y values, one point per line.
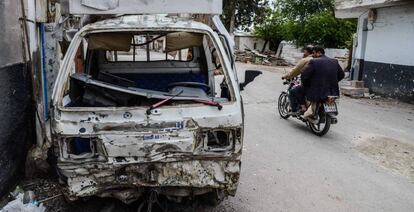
288	81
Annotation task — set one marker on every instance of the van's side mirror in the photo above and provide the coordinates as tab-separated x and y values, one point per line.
249	77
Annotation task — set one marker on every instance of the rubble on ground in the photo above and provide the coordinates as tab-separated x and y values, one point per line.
44	193
23	201
267	58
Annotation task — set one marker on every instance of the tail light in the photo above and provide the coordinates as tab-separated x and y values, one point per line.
80	148
218	140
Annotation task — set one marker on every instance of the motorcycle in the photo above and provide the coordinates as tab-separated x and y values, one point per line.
323	116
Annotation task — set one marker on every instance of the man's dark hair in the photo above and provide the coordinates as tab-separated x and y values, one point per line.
308	48
319	49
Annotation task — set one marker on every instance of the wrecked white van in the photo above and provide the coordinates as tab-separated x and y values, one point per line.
148	103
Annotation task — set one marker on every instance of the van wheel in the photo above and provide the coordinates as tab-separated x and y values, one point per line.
213	198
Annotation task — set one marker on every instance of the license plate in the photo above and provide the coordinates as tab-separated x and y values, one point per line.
330	108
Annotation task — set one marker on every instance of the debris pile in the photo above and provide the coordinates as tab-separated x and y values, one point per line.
255	57
24	201
36	194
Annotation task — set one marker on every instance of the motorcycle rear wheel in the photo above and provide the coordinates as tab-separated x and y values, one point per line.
319	130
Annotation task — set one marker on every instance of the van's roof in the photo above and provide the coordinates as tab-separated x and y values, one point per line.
135	7
150	22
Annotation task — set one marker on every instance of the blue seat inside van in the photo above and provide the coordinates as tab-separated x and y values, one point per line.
160	82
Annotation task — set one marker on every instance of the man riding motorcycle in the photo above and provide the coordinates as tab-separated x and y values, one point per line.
320	78
297	94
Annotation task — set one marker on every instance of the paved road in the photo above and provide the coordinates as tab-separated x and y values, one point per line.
286	168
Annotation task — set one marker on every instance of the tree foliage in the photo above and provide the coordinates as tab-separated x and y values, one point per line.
243	13
306	22
323	29
273	29
302	9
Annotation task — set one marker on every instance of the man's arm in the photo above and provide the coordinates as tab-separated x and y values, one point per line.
296	70
341	73
307	73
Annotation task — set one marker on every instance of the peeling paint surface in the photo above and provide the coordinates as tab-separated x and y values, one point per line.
148	153
188	174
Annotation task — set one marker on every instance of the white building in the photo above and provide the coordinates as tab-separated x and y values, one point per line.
383	49
246	40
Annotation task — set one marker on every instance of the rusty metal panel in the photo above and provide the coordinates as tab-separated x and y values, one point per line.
51	58
142	6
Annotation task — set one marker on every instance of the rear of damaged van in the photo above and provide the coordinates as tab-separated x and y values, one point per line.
147	104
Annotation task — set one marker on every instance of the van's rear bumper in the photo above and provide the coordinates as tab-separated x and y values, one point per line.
189	176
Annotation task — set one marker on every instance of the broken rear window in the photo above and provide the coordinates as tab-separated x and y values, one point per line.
140	69
128	47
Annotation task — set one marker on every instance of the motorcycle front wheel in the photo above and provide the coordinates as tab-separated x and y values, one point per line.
323	125
283	105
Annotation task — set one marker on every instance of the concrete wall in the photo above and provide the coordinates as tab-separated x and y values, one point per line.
248	42
383	53
391	37
292	54
360	43
15	95
354	8
351	4
15	123
10	34
289	52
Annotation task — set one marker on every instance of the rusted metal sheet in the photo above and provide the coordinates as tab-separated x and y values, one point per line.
142	6
52	58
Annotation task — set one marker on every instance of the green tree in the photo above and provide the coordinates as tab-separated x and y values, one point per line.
299	10
324	29
243	13
307	22
273	29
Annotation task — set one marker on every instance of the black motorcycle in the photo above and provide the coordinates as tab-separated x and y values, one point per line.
324	114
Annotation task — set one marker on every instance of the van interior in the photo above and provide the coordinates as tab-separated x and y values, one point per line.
125	69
